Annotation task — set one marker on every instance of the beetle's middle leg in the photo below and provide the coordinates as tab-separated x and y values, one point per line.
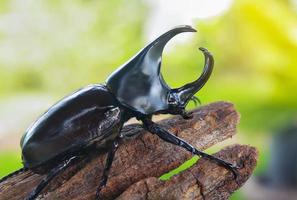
108	163
168	137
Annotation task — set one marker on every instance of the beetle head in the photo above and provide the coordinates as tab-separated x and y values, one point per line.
139	85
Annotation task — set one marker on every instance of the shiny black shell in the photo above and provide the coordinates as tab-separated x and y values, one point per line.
86	116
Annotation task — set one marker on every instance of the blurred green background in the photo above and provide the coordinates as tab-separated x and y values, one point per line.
50	48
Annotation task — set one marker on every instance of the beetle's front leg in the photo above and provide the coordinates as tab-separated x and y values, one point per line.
168	137
187	115
108	163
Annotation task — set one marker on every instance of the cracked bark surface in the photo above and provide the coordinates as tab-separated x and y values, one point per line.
205	180
141	159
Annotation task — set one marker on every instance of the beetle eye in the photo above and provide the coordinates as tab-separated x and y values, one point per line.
172	100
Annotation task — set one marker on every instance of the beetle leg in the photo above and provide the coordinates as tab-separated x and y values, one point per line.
168	137
55	171
186	115
108	163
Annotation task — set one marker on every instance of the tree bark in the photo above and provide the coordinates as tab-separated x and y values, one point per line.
143	157
205	180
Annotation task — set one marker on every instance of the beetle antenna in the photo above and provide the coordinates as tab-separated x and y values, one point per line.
196	100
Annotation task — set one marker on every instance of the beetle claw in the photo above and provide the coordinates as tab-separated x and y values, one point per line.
98	194
187	115
234	169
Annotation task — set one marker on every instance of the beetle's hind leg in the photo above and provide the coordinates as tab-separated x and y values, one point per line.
55	171
108	163
168	137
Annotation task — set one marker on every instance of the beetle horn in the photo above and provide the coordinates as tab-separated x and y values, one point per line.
187	91
138	83
148	60
154	50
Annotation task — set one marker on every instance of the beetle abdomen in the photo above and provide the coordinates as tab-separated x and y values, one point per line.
88	115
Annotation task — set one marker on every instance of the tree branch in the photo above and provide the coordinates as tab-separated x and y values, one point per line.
144	157
205	180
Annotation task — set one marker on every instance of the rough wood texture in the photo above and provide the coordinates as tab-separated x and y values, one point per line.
142	158
205	180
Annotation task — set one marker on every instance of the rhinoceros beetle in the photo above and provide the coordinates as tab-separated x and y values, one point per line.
94	115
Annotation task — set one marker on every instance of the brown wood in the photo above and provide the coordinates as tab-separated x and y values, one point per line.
144	157
205	180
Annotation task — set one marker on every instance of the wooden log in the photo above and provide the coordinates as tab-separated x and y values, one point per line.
139	157
205	180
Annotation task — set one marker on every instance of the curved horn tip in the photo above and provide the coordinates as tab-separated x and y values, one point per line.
205	51
184	28
190	28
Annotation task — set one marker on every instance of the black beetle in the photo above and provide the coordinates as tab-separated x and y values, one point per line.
94	115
